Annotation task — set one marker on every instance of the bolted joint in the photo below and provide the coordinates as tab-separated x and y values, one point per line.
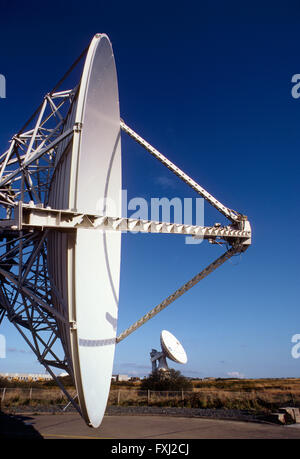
73	325
77	127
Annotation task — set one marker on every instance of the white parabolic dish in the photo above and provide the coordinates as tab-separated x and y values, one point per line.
172	347
85	269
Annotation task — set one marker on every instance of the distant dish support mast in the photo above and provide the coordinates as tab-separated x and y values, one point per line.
60	249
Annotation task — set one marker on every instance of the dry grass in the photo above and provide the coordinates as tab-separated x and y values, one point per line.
266	401
255	395
242	394
16	397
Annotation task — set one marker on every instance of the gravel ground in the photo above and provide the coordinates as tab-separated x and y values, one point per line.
239	415
185	412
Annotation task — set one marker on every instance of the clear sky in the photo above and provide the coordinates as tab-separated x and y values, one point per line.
209	85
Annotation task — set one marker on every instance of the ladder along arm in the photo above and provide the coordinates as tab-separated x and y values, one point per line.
229	213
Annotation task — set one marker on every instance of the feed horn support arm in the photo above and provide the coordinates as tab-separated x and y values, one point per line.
29	216
239	223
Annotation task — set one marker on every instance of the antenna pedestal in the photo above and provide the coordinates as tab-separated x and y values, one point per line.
159	361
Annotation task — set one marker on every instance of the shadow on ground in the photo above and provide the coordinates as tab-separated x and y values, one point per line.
17	427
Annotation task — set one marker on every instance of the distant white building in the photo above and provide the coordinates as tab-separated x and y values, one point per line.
120	378
26	376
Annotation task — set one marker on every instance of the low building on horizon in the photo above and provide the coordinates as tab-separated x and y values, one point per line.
26	376
120	378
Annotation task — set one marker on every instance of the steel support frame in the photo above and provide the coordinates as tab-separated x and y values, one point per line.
26	298
26	291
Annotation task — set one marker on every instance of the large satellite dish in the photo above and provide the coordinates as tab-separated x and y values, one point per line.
86	268
61	224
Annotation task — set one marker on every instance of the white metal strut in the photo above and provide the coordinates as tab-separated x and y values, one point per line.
229	213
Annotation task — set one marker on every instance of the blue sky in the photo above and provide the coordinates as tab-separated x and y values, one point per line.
210	87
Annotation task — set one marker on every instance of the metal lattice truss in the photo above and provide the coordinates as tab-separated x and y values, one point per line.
26	167
27	295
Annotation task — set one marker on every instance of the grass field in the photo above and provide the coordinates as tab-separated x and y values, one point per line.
257	395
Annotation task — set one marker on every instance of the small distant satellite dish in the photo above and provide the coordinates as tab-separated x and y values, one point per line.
171	348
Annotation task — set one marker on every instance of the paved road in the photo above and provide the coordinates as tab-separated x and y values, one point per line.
139	427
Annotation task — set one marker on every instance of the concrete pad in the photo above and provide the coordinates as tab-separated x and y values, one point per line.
71	426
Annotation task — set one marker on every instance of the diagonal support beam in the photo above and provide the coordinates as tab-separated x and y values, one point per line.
28	292
35	156
179	292
46	364
229	213
33	256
